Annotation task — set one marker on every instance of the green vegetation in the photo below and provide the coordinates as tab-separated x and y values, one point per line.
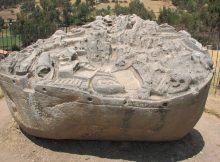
82	13
9	3
199	17
121	10
135	7
28	6
9	41
104	11
40	20
1	93
1	23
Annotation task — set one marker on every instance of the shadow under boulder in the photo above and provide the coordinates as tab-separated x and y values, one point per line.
182	149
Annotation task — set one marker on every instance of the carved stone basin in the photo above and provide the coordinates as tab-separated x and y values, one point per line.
117	78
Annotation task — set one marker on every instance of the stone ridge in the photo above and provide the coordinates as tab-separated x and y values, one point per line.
122	56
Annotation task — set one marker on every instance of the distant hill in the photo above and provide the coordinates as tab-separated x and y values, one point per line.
155	5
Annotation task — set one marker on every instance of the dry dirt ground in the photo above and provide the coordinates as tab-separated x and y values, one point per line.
9	13
201	145
154	5
213	105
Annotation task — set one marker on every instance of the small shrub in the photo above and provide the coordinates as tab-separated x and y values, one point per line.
169	16
15	47
121	10
135	7
2	22
103	12
138	8
1	93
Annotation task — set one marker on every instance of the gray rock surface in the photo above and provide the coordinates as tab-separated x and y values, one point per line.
116	78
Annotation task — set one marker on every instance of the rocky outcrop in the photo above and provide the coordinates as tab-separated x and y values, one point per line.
116	78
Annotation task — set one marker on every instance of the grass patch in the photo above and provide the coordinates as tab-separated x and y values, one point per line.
9	41
216	78
1	93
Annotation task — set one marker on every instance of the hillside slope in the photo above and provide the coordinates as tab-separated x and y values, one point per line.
154	5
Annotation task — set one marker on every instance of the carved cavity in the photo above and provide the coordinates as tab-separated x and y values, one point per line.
89	99
44	90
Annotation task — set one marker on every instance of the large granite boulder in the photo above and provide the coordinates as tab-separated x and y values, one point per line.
116	78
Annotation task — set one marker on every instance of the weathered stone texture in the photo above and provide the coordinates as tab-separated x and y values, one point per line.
117	78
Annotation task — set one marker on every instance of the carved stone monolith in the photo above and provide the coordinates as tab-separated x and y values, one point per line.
116	78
